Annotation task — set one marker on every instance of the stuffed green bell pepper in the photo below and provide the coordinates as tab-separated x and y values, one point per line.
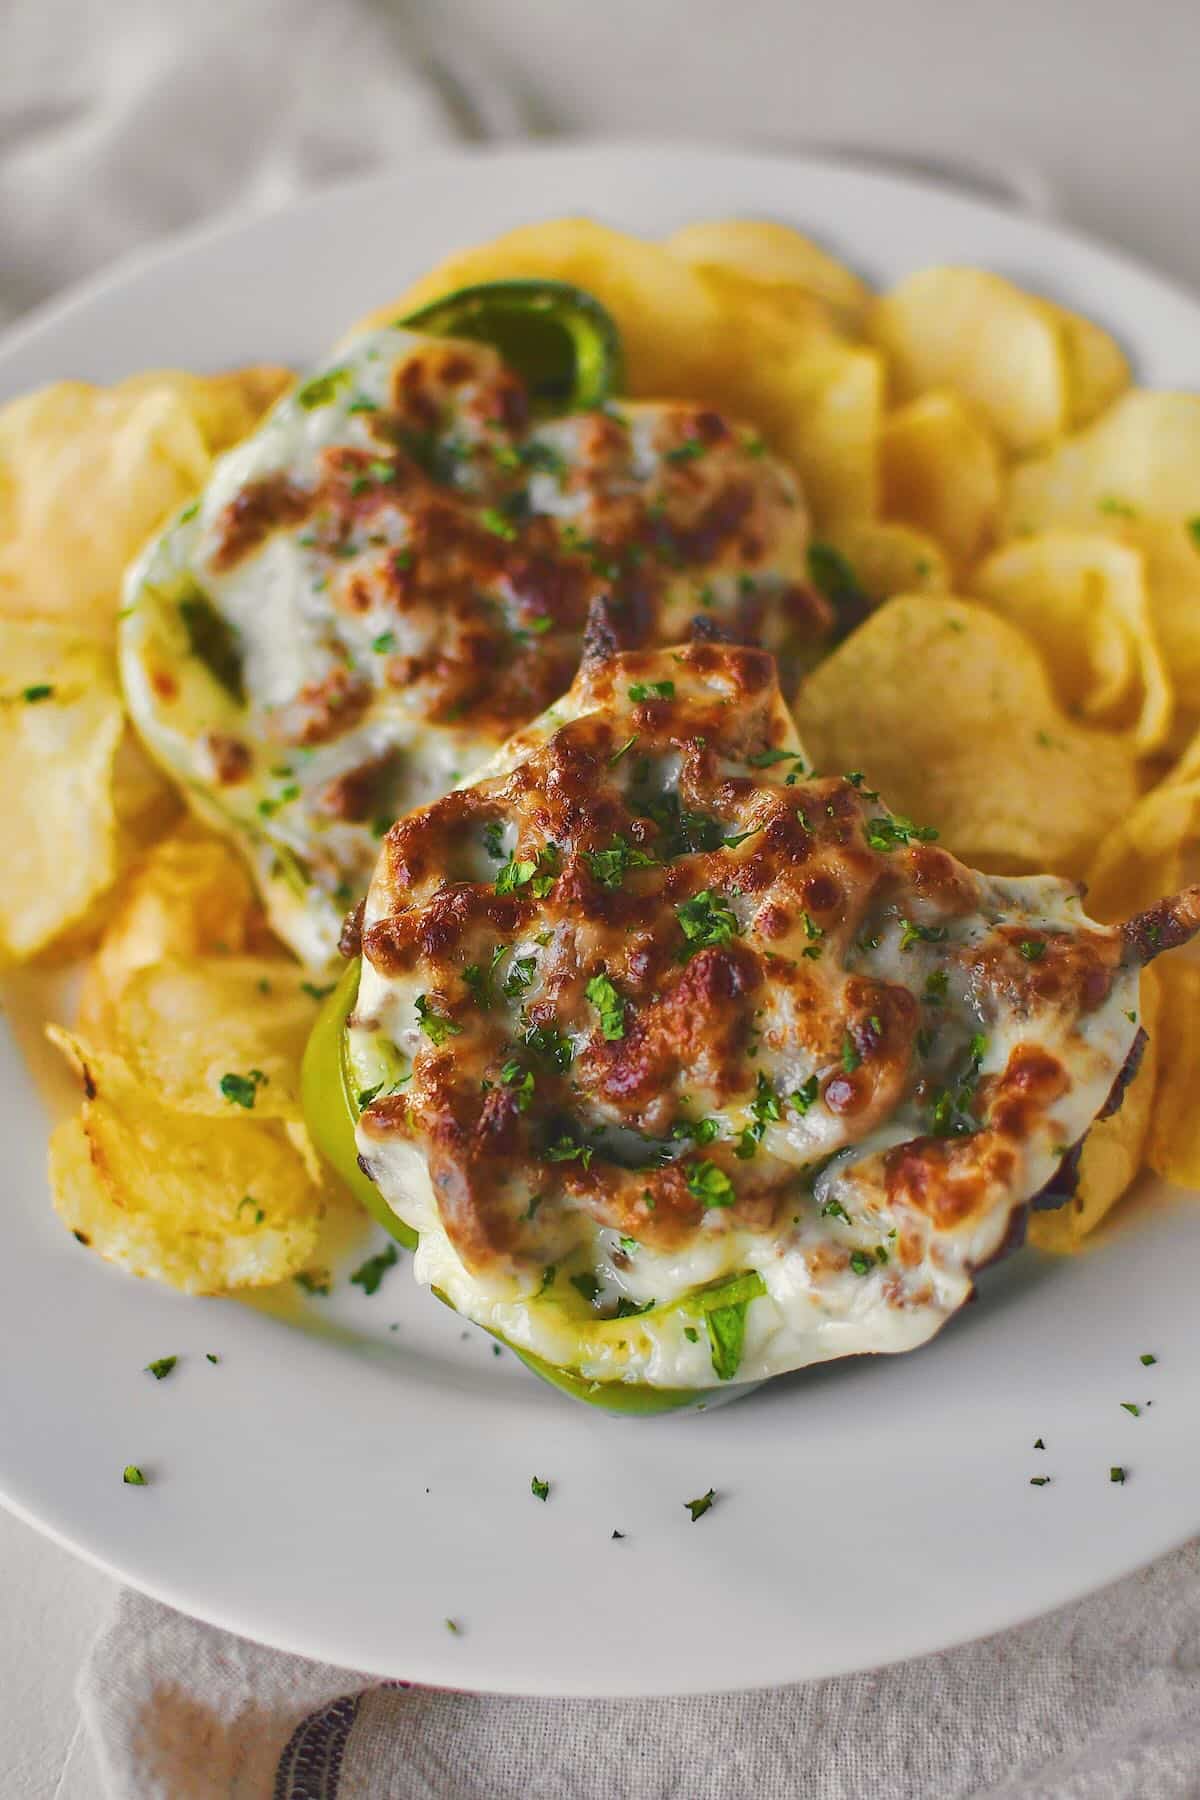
688	1066
396	570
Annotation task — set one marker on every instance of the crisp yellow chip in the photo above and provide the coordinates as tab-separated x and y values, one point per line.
60	726
1140	459
1154	849
1097	367
192	896
1113	1148
889	559
774	256
214	1033
1173	1144
827	410
87	473
949	712
670	322
202	1204
940	472
1083	599
226	407
975	333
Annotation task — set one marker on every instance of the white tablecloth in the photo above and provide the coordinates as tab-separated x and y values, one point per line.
123	119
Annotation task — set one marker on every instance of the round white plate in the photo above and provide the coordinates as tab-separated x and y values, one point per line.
355	1471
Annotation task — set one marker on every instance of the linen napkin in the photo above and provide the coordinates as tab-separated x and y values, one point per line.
119	123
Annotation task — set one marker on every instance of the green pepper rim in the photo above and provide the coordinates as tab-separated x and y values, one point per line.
331	1113
557	337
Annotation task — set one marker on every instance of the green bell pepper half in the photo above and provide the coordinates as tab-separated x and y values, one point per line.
331	1113
557	338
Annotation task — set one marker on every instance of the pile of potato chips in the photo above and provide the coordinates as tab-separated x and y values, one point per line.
1021	525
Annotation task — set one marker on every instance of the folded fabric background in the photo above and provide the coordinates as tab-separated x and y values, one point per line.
118	124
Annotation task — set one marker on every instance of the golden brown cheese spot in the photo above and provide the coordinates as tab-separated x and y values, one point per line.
1021	971
263	506
322	710
229	758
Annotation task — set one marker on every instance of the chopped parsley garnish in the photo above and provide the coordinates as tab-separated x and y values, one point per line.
811	928
520	975
1032	949
546	1041
621	750
609	867
569	1149
40	691
766	759
322	388
832	575
683	831
616	1534
252	1203
609	1004
911	933
436	1026
629	1309
514	875
363	1098
936	986
493	520
851	1055
805	1095
1039	1481
211	1356
240	1090
313	1281
1131	1406
710	1185
699	1507
586	1285
1146	1358
478	983
452	1625
1120	509
316	992
369	1274
161	1368
856	778
686	452
384	643
1117	1474
132	1476
539	1489
514	1075
833	1209
705	920
889	834
1193	530
862	1262
1039	1443
691	1334
652	690
493	839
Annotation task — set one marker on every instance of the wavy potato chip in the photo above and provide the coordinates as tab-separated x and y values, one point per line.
997	347
1113	1148
61	723
770	255
889	559
191	896
202	1204
207	1034
1097	367
1083	600
670	322
1140	459
225	407
949	711
940	472
1173	1143
827	417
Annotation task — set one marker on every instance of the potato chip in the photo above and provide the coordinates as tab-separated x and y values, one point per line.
940	472
60	725
670	322
1082	598
977	334
1173	1144
770	255
87	473
1097	367
226	407
204	1205
949	712
191	896
207	1034
1154	849
1140	459
891	559
1112	1151
825	415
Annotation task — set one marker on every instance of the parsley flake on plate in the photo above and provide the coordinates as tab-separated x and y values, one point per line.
161	1368
652	690
609	1004
369	1274
699	1507
132	1476
710	1185
539	1489
705	920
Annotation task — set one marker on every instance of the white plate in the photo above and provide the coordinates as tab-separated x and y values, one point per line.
341	1488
